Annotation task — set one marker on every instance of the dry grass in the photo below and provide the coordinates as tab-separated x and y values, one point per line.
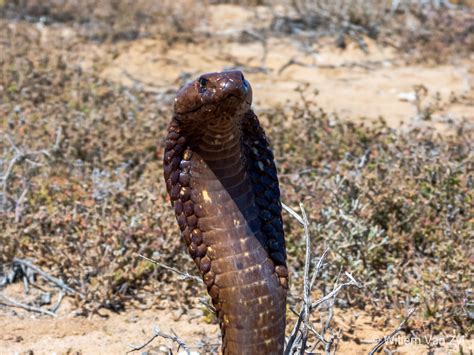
436	30
434	35
432	31
116	19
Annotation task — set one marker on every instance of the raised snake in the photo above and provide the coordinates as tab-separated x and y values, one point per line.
222	181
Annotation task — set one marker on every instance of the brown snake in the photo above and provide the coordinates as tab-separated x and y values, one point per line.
222	182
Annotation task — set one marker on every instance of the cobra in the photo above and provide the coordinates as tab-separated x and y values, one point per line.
222	182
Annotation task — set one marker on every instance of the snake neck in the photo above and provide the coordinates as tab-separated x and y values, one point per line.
220	138
219	146
217	188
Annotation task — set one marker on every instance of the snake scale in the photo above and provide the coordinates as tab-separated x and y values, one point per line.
222	181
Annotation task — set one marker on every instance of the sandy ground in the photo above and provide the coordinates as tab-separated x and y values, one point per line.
28	333
350	83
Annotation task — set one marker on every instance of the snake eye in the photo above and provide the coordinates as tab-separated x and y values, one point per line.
202	84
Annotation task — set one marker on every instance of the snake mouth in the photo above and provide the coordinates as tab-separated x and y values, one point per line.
214	93
209	108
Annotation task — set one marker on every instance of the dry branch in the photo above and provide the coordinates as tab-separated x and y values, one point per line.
13	303
293	213
58	282
19	205
392	334
58	303
20	156
306	286
184	275
157	333
333	293
297	341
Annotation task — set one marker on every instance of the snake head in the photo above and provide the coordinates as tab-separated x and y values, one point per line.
218	95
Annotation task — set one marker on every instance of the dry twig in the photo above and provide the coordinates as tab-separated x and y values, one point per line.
58	303
306	286
293	213
12	303
184	275
157	333
58	282
19	205
392	334
333	293
299	336
20	156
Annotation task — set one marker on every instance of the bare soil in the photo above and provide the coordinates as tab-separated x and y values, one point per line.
111	333
350	82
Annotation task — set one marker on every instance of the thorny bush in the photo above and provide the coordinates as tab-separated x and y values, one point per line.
433	31
96	197
113	19
395	209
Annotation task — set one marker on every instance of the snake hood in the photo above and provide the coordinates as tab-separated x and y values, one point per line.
222	182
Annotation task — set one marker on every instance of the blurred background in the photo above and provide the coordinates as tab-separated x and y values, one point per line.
369	108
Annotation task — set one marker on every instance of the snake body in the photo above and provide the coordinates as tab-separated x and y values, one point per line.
222	182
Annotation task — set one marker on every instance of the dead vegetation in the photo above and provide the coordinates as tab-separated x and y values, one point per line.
432	31
82	193
423	30
395	209
112	20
